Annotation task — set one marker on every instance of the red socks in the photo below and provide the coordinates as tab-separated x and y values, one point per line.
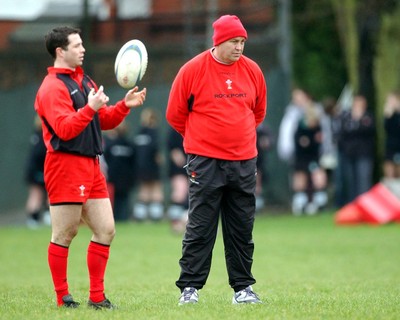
58	259
97	258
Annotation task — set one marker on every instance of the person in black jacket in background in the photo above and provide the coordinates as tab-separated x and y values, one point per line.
150	198
391	112
264	143
179	201
356	144
119	155
36	206
309	178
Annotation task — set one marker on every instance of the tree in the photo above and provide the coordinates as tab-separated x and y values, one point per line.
369	32
318	64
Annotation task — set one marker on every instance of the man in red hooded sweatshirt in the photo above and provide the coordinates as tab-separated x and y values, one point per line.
73	111
216	102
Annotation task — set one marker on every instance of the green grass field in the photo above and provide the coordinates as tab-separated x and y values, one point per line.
306	268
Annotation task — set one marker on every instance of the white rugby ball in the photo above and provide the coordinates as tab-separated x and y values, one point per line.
131	63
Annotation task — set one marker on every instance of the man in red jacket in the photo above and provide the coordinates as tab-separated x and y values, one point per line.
73	111
216	102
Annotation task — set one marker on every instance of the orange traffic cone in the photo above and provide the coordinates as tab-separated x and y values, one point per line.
379	205
349	214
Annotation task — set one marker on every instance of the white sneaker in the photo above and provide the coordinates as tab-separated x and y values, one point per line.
246	295
311	209
32	223
189	295
47	218
299	201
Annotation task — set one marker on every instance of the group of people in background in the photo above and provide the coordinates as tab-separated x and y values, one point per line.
325	144
334	144
137	163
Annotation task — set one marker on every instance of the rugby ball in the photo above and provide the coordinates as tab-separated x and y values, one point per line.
131	63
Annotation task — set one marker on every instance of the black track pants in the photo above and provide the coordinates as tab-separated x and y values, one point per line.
226	187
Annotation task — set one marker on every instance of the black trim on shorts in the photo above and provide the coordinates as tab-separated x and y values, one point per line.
64	203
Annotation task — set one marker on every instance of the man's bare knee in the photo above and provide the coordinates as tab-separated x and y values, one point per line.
64	237
104	236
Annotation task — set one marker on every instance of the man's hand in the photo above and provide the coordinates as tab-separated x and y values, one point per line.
135	98
97	99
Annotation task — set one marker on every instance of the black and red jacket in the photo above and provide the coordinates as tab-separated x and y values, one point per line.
69	124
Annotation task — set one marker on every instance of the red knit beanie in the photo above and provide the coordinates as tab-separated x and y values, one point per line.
227	27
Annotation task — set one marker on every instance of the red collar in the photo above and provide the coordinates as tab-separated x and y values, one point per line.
76	74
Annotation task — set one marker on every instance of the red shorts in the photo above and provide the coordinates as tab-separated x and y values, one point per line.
71	178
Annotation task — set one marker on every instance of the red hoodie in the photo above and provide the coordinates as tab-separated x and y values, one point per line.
216	107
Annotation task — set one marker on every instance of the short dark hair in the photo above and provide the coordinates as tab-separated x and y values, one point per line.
58	37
